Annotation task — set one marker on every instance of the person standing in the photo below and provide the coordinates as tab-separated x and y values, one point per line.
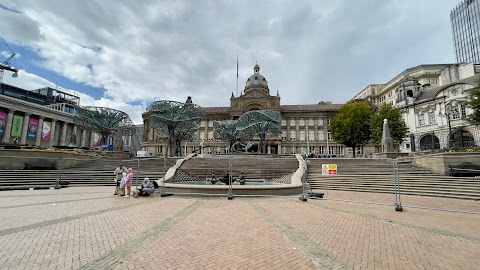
128	182
118	177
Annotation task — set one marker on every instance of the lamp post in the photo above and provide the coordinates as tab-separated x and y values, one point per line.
328	148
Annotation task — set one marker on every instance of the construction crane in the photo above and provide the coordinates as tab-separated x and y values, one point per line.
5	65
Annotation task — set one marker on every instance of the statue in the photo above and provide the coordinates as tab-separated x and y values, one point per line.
387	141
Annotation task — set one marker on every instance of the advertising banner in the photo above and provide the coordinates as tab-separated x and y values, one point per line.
46	131
17	126
329	169
3	121
32	128
96	140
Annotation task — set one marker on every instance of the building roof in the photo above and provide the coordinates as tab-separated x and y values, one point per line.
216	109
433	92
311	107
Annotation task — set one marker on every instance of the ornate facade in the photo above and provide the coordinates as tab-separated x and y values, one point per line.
305	128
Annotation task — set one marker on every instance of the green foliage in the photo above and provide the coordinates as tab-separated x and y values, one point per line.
398	128
474	103
351	126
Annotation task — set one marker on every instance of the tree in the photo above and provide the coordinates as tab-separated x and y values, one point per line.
474	103
398	128
351	126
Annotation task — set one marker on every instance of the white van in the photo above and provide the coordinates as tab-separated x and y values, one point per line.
144	154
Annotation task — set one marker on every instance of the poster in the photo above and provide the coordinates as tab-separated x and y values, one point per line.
32	128
46	131
3	121
328	169
96	140
17	126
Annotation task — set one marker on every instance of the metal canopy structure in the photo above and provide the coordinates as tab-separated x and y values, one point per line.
174	121
105	121
254	123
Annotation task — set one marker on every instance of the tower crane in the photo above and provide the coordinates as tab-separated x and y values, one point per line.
5	65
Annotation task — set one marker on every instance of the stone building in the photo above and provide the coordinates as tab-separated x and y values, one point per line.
41	117
432	100
305	128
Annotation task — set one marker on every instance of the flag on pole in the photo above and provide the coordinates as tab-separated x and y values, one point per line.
237	66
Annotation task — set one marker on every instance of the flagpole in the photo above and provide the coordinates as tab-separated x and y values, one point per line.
237	75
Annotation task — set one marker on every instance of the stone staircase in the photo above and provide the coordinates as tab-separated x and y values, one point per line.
90	172
372	175
254	166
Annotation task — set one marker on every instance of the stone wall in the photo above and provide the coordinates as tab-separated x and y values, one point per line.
440	163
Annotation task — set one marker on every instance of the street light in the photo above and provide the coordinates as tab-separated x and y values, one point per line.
449	113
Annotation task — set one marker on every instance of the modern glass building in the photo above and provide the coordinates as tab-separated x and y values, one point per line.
465	19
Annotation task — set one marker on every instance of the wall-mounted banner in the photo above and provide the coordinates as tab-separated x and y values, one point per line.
17	126
46	131
3	121
96	140
32	128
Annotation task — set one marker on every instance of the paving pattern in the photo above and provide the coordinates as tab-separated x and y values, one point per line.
89	228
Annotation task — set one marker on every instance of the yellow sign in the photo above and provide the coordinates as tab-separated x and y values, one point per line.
329	169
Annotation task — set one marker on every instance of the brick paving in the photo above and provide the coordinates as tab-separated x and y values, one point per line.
89	228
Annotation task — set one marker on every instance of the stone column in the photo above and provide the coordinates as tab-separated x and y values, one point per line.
63	135
74	133
92	139
8	126
84	138
52	133
38	137
26	121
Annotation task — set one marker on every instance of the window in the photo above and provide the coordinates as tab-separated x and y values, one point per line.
301	122
421	120
202	123
210	123
311	122
293	136
302	150
311	135
463	111
202	135
320	122
329	121
293	123
210	135
227	150
194	136
302	135
331	150
455	114
293	150
431	118
433	81
320	135
284	150
340	150
284	122
329	136
284	135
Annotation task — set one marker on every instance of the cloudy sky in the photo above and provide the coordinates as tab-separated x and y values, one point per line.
126	54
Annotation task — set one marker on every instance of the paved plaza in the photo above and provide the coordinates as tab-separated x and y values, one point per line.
89	228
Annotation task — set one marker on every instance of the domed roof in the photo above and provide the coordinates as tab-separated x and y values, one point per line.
256	79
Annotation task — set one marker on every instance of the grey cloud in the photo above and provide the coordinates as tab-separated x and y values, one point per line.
309	50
